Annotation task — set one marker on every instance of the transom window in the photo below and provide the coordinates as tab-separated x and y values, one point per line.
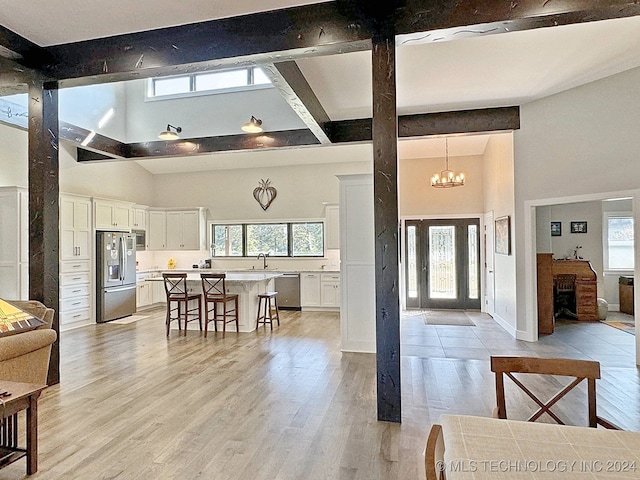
293	239
207	82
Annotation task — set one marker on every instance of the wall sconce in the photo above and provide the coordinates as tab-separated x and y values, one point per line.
253	125
168	134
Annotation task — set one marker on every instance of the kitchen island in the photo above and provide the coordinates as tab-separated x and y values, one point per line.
246	284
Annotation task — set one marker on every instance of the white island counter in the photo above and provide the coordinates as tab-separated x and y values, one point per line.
246	284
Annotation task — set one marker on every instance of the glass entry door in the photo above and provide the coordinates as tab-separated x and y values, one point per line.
443	263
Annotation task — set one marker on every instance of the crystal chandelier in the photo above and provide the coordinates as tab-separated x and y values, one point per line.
447	178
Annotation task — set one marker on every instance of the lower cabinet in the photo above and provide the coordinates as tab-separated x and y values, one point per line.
144	296
330	290
75	292
320	290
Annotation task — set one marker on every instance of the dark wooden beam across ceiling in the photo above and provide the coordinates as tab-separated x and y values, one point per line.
440	123
279	35
450	19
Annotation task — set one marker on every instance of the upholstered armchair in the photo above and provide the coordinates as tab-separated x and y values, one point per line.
24	357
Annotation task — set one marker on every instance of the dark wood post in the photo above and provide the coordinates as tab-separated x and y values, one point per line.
43	206
385	187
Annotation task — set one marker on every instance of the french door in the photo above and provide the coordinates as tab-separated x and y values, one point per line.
443	263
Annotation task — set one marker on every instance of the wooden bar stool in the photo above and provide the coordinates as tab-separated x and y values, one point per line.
215	292
178	298
269	302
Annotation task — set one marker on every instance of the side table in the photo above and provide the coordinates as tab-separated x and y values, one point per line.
24	396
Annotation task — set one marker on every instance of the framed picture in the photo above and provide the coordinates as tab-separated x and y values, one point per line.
578	227
556	229
503	235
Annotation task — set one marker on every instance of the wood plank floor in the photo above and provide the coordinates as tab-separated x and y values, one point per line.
285	404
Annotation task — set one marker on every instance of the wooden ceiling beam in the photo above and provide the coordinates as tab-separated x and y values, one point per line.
287	78
426	124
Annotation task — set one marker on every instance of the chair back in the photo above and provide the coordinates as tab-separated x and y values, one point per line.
175	286
213	284
565	367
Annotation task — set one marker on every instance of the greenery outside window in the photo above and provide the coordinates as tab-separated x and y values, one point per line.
293	239
619	241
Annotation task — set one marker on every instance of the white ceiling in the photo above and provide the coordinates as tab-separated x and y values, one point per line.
496	70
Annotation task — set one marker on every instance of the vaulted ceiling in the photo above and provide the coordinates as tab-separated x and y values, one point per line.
475	69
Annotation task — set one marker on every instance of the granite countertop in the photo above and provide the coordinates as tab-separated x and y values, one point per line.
239	270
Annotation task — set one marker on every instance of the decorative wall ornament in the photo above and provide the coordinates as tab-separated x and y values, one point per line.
265	193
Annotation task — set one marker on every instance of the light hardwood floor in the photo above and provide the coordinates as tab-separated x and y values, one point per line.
285	404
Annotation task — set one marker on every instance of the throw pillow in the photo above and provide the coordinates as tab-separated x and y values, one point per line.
14	320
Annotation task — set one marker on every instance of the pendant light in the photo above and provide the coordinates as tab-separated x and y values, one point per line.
447	178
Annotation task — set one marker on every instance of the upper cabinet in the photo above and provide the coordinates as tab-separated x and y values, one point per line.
157	230
112	214
332	225
138	217
177	229
75	227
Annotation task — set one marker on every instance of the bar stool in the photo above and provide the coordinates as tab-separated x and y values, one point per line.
178	298
215	292
265	302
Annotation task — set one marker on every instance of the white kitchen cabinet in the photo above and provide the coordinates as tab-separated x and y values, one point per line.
157	230
138	217
332	226
184	230
330	290
76	259
111	214
309	289
75	228
158	294
14	243
144	294
177	229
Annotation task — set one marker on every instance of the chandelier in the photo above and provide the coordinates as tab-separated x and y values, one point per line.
447	178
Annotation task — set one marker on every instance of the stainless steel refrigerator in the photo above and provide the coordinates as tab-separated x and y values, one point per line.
116	275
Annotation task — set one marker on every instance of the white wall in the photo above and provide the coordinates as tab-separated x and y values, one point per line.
203	116
418	199
117	180
499	199
582	142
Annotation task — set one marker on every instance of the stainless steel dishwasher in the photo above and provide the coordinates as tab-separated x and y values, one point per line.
288	288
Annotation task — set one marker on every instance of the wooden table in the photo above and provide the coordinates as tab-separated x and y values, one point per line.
480	447
24	396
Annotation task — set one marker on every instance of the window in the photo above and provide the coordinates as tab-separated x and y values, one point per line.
207	82
619	251
295	239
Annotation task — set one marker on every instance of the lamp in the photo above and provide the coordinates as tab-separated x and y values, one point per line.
447	178
253	125
168	134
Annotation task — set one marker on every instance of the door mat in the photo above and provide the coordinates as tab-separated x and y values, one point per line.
129	319
445	317
629	327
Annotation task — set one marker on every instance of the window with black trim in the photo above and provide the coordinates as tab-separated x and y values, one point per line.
282	239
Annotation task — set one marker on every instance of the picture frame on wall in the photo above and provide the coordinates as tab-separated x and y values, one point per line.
556	229
503	235
578	227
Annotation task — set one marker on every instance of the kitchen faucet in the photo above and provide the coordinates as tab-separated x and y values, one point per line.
264	260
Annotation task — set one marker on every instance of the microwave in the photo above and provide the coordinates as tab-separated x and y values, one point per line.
141	239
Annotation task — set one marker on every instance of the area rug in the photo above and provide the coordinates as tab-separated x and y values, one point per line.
629	327
129	319
447	317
